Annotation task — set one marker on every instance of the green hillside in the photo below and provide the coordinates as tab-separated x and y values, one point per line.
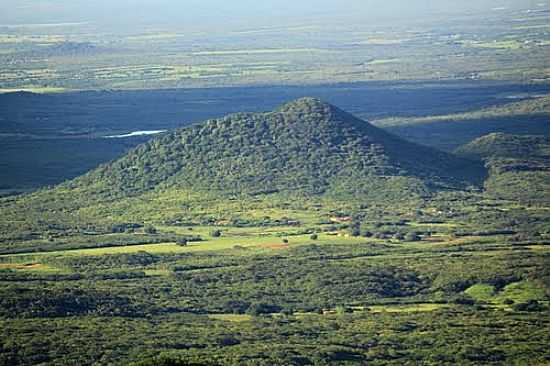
448	132
519	165
306	146
302	236
501	145
306	154
532	107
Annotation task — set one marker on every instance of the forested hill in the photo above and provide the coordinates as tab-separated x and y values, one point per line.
306	145
519	166
501	145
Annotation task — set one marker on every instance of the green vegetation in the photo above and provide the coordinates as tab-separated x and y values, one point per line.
305	146
54	140
505	146
508	45
451	131
539	106
261	305
519	166
303	236
480	46
306	150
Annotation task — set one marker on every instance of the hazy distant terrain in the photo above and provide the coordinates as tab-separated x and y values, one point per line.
316	44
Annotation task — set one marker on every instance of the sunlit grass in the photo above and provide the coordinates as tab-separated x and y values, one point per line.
496	44
261	243
521	292
235	318
257	51
30	267
33	89
481	292
518	292
409	308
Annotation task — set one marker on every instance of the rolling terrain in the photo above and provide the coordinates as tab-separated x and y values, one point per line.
443	115
301	236
519	165
503	45
293	183
306	148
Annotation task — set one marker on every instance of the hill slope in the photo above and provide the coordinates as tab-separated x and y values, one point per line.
448	132
301	154
519	165
501	145
306	145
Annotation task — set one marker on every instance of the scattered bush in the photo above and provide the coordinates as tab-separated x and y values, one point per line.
367	234
262	309
399	236
531	305
413	236
149	229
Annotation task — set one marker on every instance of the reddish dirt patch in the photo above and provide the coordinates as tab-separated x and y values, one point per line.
434	239
274	246
21	266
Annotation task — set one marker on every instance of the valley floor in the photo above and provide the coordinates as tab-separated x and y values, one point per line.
305	294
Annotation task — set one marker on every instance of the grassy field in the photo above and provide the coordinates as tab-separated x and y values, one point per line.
36	89
224	294
240	243
250	296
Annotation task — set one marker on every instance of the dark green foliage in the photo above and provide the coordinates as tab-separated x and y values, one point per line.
306	148
297	304
169	360
519	165
399	236
216	234
127	227
236	307
47	303
367	234
412	236
306	145
341	310
114	313
262	309
531	305
149	229
60	119
505	146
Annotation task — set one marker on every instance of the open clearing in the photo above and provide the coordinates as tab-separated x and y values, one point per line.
217	244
